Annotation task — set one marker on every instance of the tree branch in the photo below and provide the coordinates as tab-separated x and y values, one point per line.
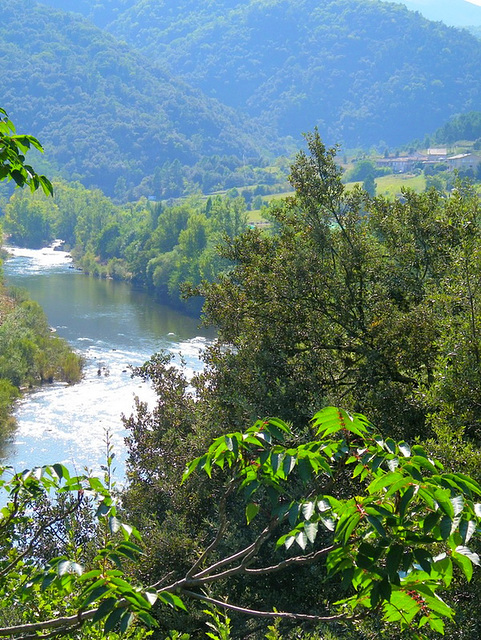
265	614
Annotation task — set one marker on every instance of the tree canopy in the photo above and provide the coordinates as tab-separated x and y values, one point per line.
345	300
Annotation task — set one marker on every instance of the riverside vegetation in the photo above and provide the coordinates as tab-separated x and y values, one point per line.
325	527
29	353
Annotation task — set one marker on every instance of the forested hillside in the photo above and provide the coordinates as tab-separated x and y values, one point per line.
103	110
365	71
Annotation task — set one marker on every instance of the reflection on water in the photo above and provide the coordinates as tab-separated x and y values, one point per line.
113	326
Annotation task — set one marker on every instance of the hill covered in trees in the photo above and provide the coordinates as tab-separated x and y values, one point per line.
103	110
363	70
153	82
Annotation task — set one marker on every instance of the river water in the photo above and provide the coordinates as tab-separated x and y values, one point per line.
113	326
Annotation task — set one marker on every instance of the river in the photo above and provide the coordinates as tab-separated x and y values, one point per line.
113	326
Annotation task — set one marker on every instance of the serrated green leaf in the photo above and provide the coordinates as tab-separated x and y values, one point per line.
105	607
310	529
112	620
252	509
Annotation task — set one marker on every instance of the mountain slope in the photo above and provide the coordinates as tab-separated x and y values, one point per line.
101	110
363	70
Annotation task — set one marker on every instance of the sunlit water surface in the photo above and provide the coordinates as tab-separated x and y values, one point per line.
113	326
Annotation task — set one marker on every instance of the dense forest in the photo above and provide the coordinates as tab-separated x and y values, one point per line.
105	111
160	83
159	247
353	68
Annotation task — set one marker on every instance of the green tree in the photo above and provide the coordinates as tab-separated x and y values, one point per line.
369	185
365	528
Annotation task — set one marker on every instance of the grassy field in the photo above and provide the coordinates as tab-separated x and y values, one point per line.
390	186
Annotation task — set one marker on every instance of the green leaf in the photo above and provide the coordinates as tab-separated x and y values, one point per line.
172	600
467	529
390	445
301	539
405	500
404	448
385	589
307	510
344	531
393	559
105	607
304	469
94	594
436	624
377	525
125	621
464	563
310	529
458	505
445	527
431	520
288	464
147	618
424	559
113	620
252	510
465	551
114	524
385	480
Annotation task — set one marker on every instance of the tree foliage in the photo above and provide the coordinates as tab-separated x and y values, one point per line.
156	245
46	595
363	301
12	157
